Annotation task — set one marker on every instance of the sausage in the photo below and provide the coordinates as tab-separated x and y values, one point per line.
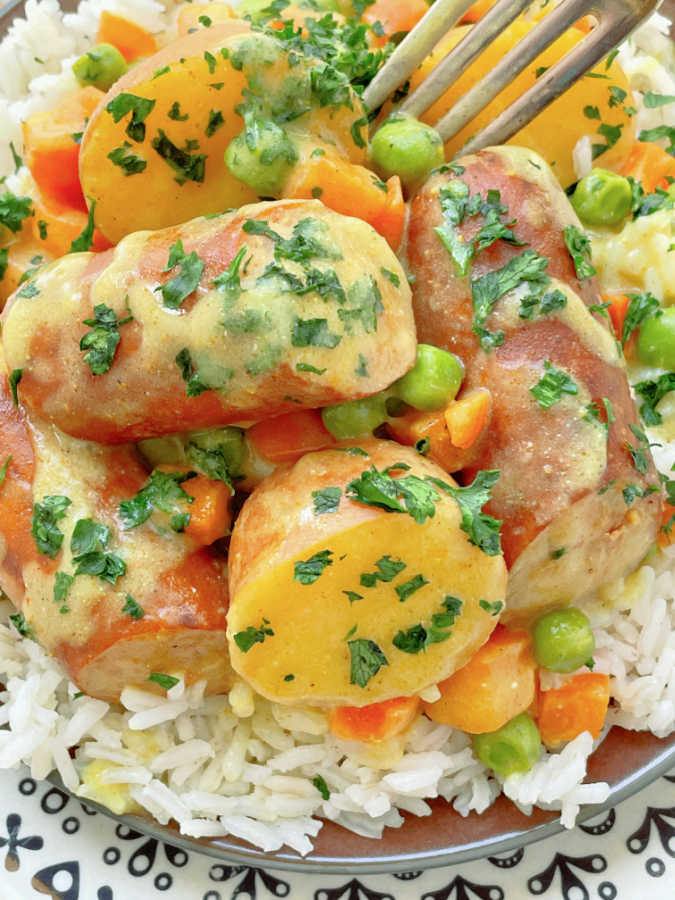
318	576
578	494
94	629
305	316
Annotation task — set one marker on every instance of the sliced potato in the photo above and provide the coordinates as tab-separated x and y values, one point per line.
153	153
335	605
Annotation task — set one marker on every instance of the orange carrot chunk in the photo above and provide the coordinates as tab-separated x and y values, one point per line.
210	513
287	438
650	165
414	426
130	39
617	309
580	705
51	147
394	16
467	417
351	190
477	11
55	227
375	722
495	685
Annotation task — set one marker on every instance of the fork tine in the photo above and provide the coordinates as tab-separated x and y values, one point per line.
610	31
463	54
518	57
414	48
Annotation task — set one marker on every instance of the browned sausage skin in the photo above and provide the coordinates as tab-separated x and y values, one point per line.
165	613
578	493
275	307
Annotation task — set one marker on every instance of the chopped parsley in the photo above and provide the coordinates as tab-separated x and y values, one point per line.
481	528
418	637
313	333
592	414
391	276
652	392
352	596
641	306
246	639
639	453
162	491
132	608
216	462
321	787
558	553
164	681
408	588
139	107
580	250
632	492
187	166
228	282
215	122
538	304
4	261
611	133
310	239
44	528
62	583
3	469
653	101
306	367
182	285
656	134
308	571
408	494
14	378
85	240
326	500
129	163
175	113
366	660
550	388
42	229
13	210
24	629
493	608
388	569
29	290
193	380
88	544
101	342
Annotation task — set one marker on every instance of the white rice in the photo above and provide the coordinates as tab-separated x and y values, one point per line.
239	764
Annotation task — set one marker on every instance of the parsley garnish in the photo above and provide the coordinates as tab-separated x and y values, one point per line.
408	588
305	367
87	544
131	608
46	533
307	571
558	553
29	290
580	250
85	240
175	113
641	306
639	453
216	462
215	122
182	285
481	528
228	281
24	629
192	378
140	107
651	392
550	388
388	569
321	787
101	343
13	210
611	133
129	163
391	276
661	131
592	414
14	378
164	681
326	500
652	100
418	637
548	303
246	639
4	261
62	583
3	470
632	492
313	333
352	596
493	608
366	661
187	166
162	491
408	494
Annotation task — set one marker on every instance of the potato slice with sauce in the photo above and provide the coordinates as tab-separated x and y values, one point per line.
326	591
153	152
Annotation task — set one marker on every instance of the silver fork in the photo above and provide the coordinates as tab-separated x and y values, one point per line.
615	20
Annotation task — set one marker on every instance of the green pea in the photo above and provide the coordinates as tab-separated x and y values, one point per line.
433	381
355	418
563	640
656	340
101	67
405	147
262	156
602	198
515	747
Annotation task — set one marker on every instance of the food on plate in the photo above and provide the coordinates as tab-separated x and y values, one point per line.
326	473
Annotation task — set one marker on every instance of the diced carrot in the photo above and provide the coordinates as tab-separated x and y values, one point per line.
477	11
650	165
617	309
51	147
287	438
580	705
130	39
210	512
414	426
467	417
375	722
394	16
210	14
351	190
495	685
55	227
